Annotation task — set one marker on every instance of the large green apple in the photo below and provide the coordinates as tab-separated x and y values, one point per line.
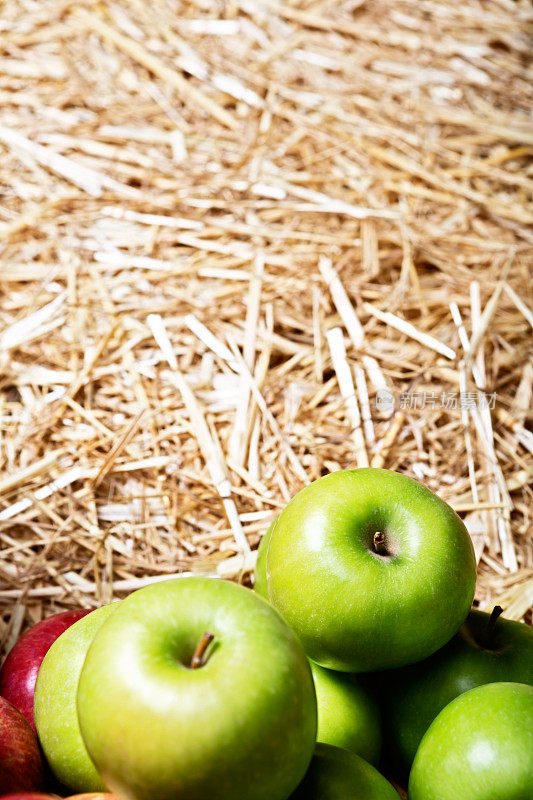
336	774
347	715
486	649
370	569
163	720
480	747
56	717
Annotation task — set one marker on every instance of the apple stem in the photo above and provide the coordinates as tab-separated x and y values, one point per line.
197	659
379	544
491	624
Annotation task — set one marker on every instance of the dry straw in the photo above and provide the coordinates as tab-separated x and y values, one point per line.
244	244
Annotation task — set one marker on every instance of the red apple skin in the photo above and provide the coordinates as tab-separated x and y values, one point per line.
19	670
21	766
29	796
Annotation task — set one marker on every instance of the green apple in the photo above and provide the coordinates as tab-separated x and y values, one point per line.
196	688
56	717
486	649
336	774
347	715
370	569
480	747
260	583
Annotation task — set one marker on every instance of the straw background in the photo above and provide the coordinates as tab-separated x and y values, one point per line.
216	219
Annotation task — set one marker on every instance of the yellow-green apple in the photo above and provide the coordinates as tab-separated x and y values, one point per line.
19	670
21	767
370	569
196	688
480	747
337	774
486	649
56	716
348	717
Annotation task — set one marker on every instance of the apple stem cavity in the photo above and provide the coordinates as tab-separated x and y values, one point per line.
491	624
197	660
379	544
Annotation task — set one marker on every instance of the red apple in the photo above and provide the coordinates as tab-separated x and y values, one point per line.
29	796
21	767
19	670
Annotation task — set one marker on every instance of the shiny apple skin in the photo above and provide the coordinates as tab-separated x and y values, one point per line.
354	610
21	767
336	774
19	671
480	747
55	709
412	697
158	730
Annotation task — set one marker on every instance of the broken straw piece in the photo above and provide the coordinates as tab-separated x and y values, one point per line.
74	474
89	180
210	448
342	301
209	339
405	327
519	303
23	329
344	377
362	392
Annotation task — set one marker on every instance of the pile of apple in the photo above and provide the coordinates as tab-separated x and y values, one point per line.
359	636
